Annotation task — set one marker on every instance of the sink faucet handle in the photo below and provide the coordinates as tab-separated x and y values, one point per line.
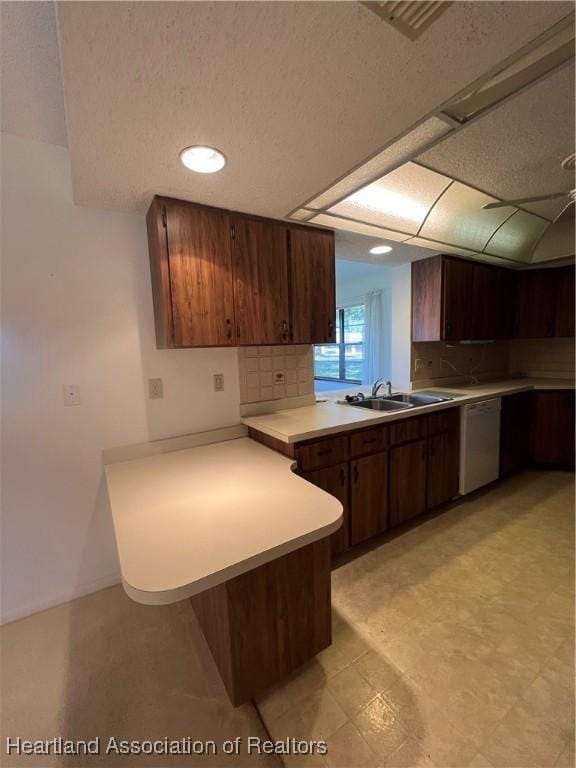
389	387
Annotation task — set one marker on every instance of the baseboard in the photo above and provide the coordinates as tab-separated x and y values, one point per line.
63	597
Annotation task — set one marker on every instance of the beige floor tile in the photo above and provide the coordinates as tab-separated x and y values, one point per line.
381	727
347	749
351	690
464	624
321	714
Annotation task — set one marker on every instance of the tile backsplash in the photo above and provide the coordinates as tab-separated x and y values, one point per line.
275	373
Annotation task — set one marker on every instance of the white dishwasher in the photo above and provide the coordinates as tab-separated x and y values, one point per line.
479	444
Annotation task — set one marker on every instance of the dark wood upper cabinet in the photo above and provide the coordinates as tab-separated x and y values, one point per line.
536	304
458	300
200	264
493	302
457	284
408	470
368	496
565	302
334	480
230	279
312	286
260	267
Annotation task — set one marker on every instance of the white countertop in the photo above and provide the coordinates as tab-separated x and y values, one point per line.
191	519
330	417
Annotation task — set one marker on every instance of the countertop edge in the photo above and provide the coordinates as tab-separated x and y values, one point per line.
377	419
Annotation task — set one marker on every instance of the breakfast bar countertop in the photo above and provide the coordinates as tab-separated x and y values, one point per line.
331	417
188	520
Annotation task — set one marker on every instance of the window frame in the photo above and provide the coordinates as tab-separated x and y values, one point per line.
340	311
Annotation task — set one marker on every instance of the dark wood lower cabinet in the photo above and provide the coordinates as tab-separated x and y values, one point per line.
368	496
553	428
334	480
408	465
266	623
443	468
515	431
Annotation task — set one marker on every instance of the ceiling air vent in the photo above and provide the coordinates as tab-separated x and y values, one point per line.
410	17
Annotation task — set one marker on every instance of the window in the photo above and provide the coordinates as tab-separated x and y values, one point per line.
343	361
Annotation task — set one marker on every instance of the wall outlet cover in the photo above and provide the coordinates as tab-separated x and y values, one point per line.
218	382
155	389
71	394
279	377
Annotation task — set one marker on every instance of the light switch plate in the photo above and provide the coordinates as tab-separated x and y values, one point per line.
155	389
71	394
218	382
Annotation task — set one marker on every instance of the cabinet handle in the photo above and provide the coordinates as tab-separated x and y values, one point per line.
284	330
238	330
229	325
330	329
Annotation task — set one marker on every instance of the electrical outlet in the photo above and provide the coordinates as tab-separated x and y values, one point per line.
420	363
279	377
218	382
155	389
71	393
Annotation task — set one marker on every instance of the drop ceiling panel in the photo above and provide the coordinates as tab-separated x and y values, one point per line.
400	200
458	218
517	237
516	150
295	94
336	222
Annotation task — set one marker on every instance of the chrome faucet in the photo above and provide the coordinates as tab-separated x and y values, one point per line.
380	383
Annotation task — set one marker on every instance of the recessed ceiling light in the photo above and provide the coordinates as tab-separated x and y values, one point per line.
381	249
203	159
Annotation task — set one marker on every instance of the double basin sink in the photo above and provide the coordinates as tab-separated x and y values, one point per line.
399	402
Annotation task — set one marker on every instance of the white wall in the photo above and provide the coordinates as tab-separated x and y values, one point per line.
77	309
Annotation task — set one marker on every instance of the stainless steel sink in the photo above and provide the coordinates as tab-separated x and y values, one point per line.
382	404
416	399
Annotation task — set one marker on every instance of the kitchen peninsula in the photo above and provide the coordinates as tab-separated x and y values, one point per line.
222	520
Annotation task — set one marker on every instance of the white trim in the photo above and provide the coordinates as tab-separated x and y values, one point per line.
63	597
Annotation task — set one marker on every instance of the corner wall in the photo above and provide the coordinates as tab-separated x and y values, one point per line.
77	309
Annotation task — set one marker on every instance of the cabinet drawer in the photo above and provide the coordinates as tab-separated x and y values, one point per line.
322	453
409	429
368	441
444	421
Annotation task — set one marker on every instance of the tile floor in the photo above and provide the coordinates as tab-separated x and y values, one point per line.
453	641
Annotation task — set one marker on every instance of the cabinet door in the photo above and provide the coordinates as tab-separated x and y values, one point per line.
553	429
515	430
456	299
260	266
334	480
536	304
565	302
443	468
312	286
493	302
368	497
407	481
200	262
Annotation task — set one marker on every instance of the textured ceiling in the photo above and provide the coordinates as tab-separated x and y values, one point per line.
516	150
295	94
32	104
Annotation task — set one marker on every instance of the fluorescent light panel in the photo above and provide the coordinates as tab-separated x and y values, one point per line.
410	145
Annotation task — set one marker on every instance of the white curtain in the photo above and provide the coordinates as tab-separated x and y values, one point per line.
373	367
